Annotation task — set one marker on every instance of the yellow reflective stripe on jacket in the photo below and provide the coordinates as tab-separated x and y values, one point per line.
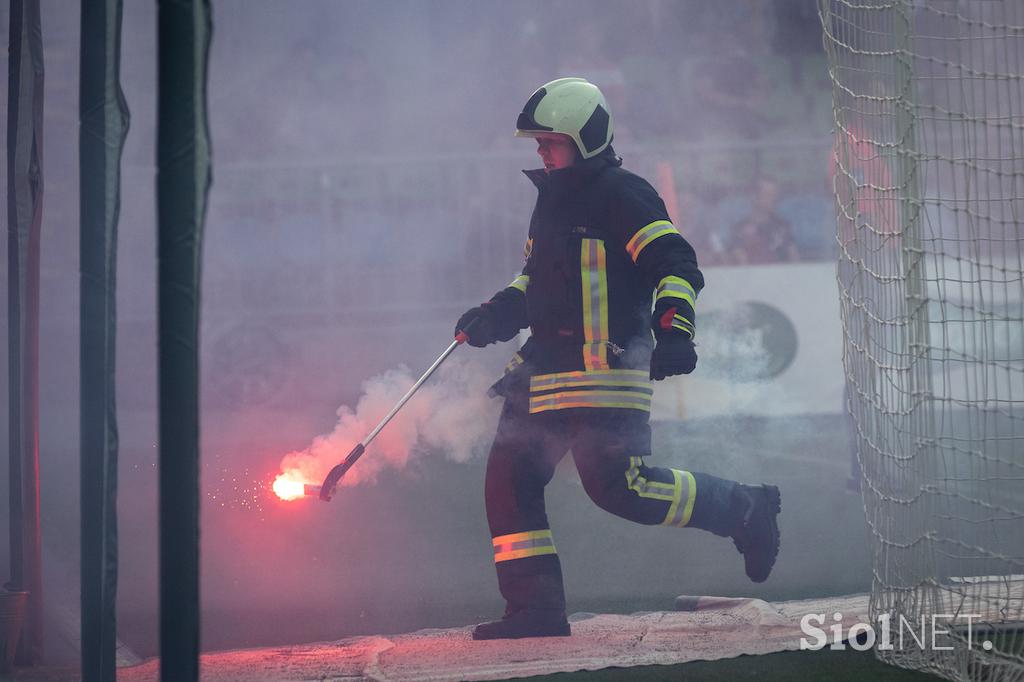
564	400
676	287
685	488
647	234
645	488
522	545
520	283
618	388
595	304
609	377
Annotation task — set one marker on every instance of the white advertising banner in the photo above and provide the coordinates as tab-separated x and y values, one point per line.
769	341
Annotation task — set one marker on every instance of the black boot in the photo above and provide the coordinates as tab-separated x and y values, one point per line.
757	538
526	623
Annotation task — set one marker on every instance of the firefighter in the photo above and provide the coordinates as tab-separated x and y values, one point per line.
600	248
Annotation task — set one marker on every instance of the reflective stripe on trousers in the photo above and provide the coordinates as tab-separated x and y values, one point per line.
681	492
523	545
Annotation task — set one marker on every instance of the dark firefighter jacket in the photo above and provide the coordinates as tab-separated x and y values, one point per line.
601	250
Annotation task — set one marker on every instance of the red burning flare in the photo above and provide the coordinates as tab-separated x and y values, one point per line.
290	485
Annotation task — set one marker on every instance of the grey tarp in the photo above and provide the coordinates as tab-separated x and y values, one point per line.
25	215
709	629
103	114
713	628
183	182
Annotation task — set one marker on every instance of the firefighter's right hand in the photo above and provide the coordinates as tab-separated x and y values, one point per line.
478	326
674	354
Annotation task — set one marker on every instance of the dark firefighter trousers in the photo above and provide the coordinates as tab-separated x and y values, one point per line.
608	446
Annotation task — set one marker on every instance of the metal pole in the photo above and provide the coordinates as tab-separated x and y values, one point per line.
103	115
183	166
24	212
411	391
326	489
919	434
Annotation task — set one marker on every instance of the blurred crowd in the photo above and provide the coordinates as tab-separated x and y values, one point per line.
409	108
744	84
673	72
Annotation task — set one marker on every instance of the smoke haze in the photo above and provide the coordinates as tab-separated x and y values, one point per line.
366	192
447	415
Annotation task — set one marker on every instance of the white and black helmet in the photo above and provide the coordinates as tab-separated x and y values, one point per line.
573	107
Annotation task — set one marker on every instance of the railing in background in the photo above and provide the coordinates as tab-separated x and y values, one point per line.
443	232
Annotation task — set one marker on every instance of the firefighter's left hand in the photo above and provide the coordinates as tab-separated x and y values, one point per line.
674	354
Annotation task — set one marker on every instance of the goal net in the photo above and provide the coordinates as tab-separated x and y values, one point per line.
928	171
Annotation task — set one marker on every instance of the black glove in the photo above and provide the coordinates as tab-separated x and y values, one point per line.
673	354
482	331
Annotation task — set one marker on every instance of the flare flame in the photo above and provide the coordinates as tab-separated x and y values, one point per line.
289	486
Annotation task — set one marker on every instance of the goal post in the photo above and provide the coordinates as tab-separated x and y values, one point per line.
928	173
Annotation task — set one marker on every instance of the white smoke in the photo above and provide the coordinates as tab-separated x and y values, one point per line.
737	355
450	414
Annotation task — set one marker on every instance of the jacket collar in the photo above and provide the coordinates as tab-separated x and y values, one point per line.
576	175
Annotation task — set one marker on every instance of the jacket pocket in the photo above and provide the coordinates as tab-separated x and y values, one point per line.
516	378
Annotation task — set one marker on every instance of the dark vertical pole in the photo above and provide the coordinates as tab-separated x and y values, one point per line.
103	115
183	168
24	215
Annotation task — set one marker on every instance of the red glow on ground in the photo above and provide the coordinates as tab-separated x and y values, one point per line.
289	486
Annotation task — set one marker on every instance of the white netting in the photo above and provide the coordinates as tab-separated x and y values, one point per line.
929	184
